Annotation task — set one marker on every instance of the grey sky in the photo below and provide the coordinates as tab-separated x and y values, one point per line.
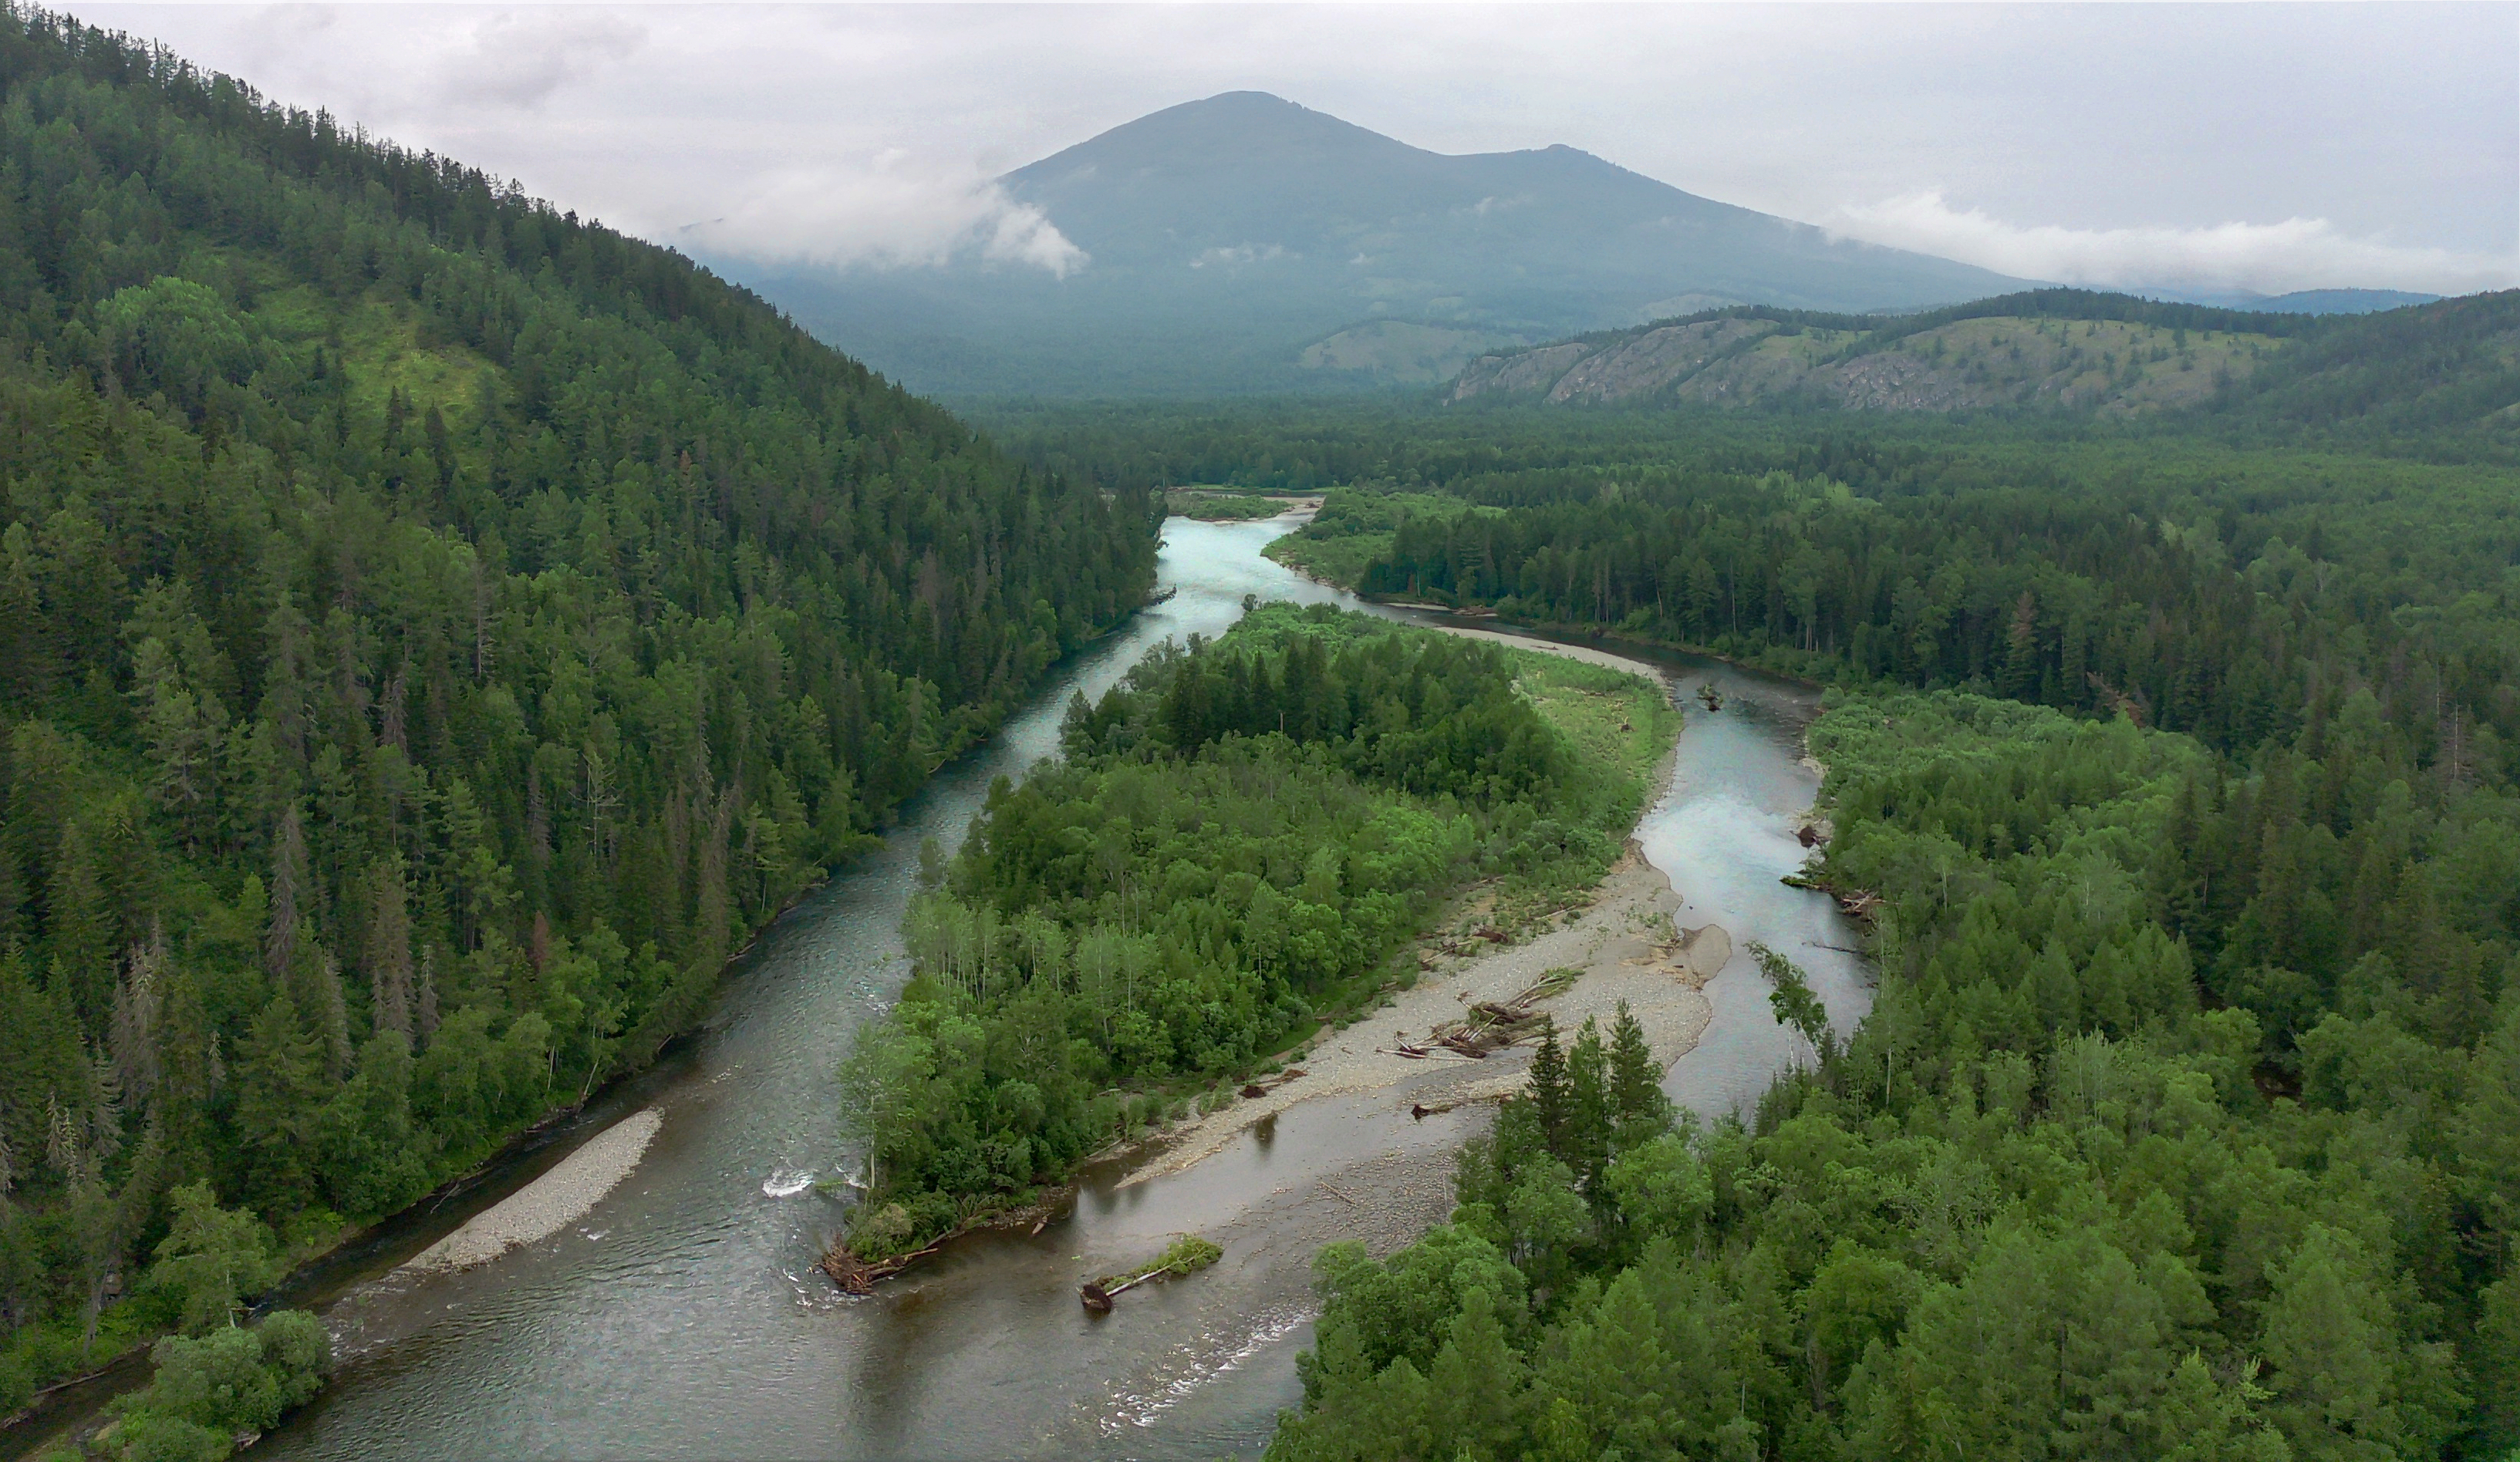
2272	147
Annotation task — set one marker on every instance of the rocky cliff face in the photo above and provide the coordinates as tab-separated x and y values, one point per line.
1655	360
1964	365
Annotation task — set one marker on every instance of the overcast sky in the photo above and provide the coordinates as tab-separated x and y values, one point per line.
2269	147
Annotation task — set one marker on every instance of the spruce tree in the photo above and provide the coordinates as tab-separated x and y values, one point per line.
1639	1108
1589	1114
388	961
280	1084
1552	1101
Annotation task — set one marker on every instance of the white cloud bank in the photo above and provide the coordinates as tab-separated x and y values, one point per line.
518	59
868	133
2272	258
889	213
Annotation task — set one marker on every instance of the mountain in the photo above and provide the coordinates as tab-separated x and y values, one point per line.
2445	367
434	631
2299	301
2052	348
1244	242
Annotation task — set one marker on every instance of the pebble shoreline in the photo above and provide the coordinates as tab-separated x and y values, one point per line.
549	1203
1624	943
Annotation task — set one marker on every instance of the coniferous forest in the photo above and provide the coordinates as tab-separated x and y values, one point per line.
435	632
2150	1147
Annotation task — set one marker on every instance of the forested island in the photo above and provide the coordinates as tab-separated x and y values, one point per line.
1235	843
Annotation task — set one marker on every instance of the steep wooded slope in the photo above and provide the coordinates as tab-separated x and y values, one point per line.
434	631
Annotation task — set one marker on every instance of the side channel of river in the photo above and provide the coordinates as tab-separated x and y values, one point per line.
680	1316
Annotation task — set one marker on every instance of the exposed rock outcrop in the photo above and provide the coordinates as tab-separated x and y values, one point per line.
1749	359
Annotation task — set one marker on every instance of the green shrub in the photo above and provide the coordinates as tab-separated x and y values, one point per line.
17	1385
232	1379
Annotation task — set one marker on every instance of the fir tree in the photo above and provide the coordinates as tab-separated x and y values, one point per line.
1638	1106
1552	1098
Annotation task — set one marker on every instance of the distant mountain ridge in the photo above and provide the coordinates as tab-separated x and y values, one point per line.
2299	301
2447	366
1244	242
1246	179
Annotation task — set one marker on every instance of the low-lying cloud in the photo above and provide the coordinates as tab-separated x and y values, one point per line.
886	214
2272	258
1239	254
518	59
2382	134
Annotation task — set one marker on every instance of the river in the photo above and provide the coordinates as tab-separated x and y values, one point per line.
681	1315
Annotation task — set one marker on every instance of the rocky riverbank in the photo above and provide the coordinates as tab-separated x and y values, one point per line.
1624	948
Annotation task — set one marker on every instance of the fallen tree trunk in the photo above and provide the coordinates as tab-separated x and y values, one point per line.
1188	1255
1267	1085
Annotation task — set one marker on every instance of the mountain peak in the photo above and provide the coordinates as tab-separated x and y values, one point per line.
1233	234
1234	128
1247	101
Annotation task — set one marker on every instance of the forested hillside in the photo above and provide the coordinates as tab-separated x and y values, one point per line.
1243	244
2448	369
2056	350
434	632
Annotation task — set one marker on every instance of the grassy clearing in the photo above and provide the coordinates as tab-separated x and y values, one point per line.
378	341
1217	504
383	343
1622	726
1622	721
1334	560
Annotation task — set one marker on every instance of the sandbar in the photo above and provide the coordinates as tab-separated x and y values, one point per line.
1628	949
549	1203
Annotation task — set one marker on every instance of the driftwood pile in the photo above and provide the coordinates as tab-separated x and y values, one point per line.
857	1276
1464	945
1494	1025
1857	903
